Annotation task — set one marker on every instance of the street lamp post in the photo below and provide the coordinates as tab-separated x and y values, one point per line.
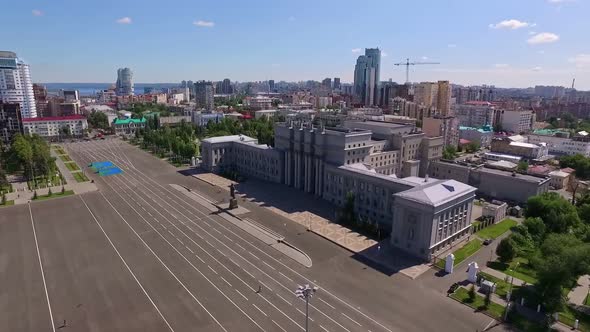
306	292
509	295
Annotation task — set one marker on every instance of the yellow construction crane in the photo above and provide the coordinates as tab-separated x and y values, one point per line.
408	64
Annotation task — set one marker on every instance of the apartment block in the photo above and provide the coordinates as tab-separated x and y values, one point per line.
56	127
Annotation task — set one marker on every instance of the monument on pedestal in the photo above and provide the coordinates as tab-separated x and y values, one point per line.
233	202
472	272
449	263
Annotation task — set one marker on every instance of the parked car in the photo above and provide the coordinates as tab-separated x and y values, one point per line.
487	241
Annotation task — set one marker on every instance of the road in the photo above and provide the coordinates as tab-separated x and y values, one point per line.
139	255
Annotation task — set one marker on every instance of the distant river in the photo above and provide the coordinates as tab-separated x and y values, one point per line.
89	89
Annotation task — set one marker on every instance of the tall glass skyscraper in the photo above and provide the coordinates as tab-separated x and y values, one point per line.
16	85
367	77
125	82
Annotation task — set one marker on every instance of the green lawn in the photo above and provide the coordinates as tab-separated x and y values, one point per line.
461	254
587	301
462	295
496	230
72	166
8	203
523	271
502	287
55	195
524	324
6	189
59	150
569	315
80	177
65	158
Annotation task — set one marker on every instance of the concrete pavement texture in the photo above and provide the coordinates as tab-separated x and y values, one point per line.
578	295
138	256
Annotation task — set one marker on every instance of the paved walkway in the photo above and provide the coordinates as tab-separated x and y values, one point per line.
578	294
502	276
342	236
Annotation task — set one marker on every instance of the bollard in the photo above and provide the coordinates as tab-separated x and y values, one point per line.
522	301
538	308
556	316
576	323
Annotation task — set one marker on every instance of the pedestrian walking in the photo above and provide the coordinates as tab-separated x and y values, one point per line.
259	289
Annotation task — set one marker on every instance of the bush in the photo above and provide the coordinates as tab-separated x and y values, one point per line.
63	190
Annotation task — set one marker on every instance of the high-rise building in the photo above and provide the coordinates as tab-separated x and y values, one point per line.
366	77
443	103
327	83
271	85
124	82
71	95
226	87
40	93
16	85
425	93
337	83
10	121
204	95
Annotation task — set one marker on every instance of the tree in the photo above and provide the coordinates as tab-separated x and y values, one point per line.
578	162
348	217
49	192
472	147
536	229
557	213
63	190
35	194
523	166
3	199
471	293
98	120
450	152
506	250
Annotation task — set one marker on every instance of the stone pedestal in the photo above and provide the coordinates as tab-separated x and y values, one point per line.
233	203
449	263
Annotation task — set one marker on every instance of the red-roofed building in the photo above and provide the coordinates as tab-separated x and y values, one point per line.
56	127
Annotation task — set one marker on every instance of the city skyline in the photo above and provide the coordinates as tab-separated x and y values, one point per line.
509	45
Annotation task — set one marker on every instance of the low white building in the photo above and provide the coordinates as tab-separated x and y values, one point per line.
55	127
517	121
559	143
265	113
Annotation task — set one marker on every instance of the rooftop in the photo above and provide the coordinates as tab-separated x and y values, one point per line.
550	132
560	174
437	193
521	177
229	138
128	121
484	129
55	118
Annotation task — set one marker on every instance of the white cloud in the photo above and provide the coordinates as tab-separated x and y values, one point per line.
536	68
124	20
543	38
511	24
532	33
581	60
37	12
384	54
452	45
205	24
291	18
541	52
424	57
501	65
559	1
356	50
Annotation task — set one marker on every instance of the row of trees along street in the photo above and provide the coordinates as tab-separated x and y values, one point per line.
180	143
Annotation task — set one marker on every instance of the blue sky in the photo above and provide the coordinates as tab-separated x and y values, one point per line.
503	42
